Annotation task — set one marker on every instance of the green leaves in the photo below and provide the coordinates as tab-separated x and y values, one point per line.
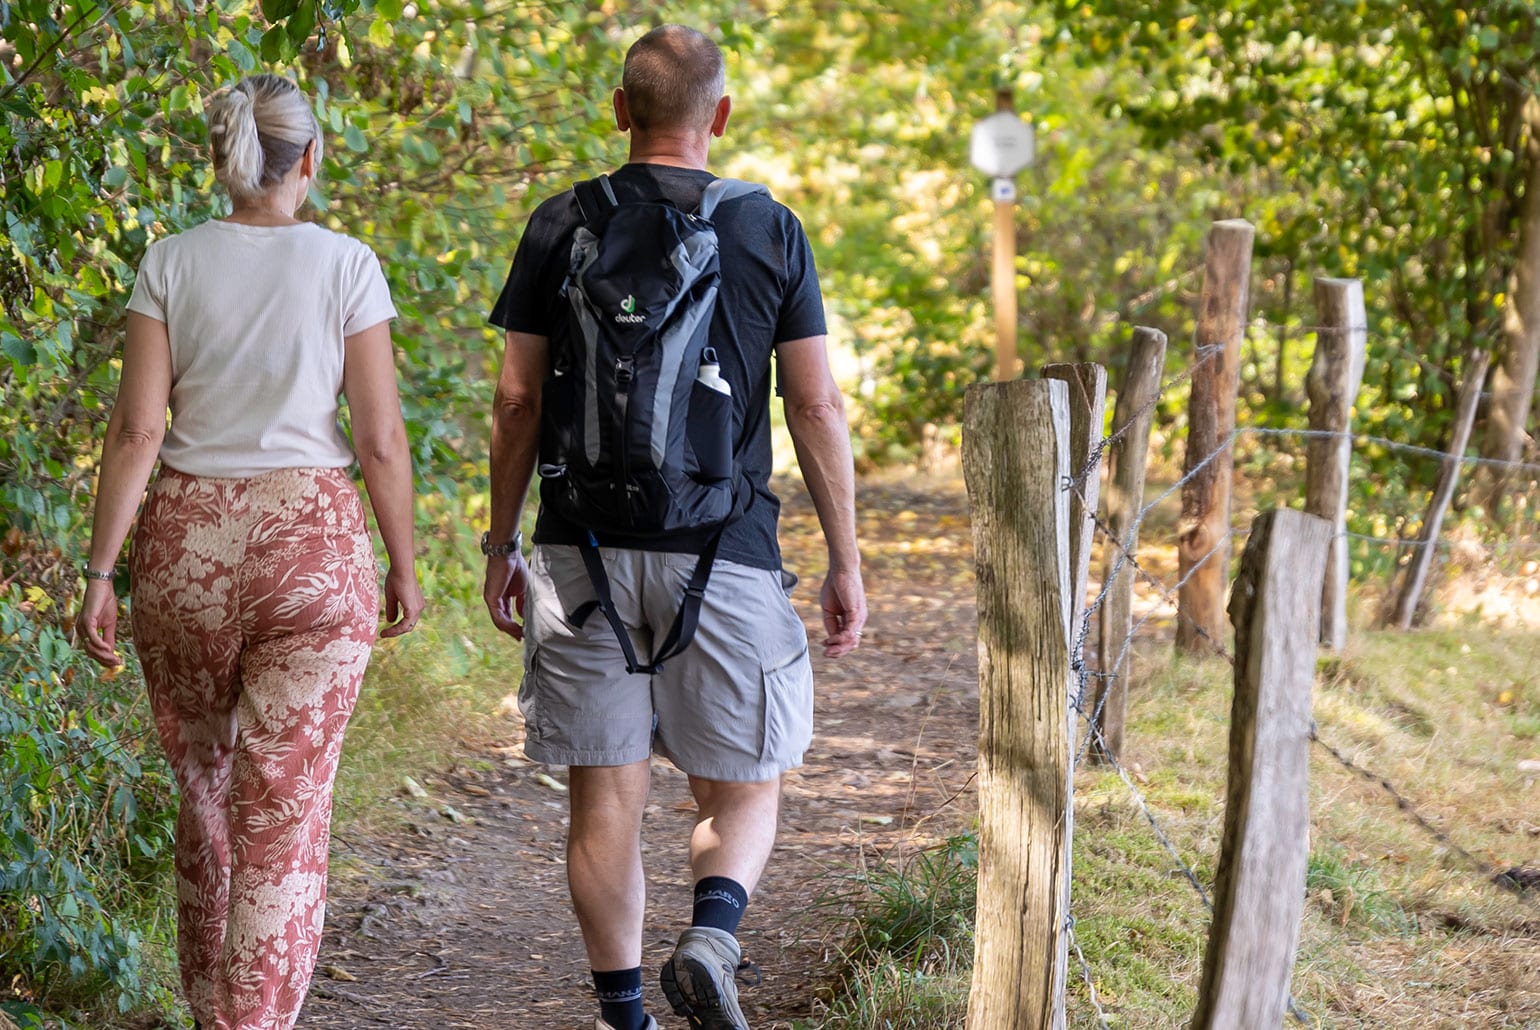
75	796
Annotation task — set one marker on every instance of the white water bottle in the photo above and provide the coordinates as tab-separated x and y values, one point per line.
710	375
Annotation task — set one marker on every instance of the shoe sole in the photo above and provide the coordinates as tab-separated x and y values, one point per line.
705	1011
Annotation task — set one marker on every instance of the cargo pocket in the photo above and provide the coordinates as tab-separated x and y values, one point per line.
529	689
788	726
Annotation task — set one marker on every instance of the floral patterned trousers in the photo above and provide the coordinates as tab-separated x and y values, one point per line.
255	606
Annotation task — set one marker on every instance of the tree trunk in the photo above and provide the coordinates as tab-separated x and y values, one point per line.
1513	380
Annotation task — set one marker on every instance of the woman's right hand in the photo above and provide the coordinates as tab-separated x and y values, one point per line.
403	601
97	625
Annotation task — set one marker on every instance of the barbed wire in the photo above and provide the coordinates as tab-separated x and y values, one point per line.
1395	445
1170	595
1093	459
1187	871
1405	804
1085	973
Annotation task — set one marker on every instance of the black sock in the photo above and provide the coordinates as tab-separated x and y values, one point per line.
620	998
719	903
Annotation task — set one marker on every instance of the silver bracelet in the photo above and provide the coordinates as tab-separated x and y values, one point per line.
90	573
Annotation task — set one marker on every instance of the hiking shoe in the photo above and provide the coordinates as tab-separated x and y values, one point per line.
698	980
651	1024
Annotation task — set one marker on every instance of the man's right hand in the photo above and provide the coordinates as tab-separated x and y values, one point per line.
507	580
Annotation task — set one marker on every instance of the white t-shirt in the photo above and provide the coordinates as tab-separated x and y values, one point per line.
256	316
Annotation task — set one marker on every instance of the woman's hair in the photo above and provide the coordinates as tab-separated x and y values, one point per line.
259	128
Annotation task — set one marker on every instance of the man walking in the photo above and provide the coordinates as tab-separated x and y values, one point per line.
734	709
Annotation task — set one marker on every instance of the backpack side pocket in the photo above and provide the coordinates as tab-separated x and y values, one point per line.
709	430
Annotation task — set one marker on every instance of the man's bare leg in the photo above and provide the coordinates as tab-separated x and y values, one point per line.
604	869
733	837
735	829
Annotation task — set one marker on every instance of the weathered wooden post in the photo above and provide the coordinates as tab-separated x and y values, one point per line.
1336	372
1203	549
1015	456
1087	409
1126	464
1259	893
1410	594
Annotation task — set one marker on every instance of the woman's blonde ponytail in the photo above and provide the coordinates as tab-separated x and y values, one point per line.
258	129
237	147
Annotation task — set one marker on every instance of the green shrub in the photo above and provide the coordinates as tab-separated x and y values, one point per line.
85	821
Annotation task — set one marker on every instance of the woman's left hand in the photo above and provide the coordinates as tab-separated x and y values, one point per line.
403	601
97	625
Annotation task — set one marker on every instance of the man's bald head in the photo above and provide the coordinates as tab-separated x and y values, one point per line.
673	79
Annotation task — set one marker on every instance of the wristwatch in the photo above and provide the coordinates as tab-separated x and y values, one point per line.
492	550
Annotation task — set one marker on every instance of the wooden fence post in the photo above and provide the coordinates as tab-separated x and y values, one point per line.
1448	478
1203	549
1126	463
1259	892
1015	455
1087	409
1336	372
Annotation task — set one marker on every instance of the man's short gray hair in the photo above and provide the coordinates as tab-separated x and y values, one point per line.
673	79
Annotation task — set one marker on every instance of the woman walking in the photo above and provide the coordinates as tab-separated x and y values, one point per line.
254	583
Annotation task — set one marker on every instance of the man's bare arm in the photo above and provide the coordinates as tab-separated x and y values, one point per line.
815	415
515	447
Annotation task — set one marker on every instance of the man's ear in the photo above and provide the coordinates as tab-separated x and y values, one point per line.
719	119
622	113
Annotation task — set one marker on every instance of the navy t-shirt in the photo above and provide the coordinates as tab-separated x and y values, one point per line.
769	294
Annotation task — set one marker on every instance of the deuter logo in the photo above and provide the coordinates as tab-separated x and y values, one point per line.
630	317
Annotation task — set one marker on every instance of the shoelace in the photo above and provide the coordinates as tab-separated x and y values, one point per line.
748	974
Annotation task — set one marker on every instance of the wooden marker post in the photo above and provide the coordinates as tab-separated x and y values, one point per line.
1003	283
1002	145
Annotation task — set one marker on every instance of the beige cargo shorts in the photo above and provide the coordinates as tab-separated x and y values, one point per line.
736	705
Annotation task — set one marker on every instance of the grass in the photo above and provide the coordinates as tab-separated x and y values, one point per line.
907	959
426	696
1398	930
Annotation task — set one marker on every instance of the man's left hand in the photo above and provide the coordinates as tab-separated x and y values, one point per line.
843	600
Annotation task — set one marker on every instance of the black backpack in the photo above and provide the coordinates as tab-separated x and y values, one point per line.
637	428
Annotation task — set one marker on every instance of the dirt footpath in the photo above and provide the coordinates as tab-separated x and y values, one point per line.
461	918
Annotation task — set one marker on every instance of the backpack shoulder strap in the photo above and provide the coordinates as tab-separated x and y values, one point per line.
595	197
726	189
